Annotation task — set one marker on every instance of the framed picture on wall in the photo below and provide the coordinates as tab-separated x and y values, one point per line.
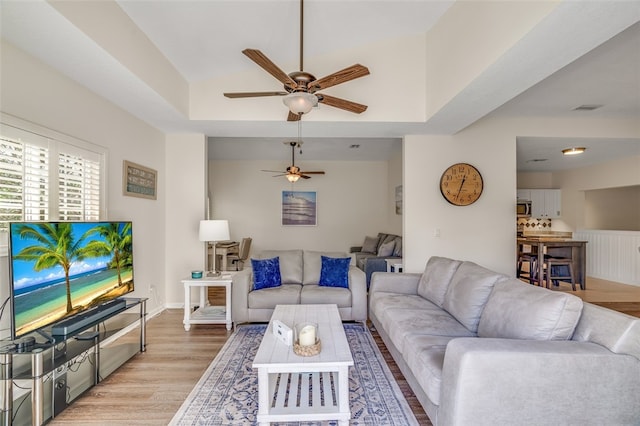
139	181
399	199
299	208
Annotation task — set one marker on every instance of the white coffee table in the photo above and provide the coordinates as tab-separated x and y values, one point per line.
297	388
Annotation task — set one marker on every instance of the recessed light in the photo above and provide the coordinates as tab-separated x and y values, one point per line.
587	107
574	151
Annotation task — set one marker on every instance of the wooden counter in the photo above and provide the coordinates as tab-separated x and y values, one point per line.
558	247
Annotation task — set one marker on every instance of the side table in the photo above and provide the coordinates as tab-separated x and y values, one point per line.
394	265
207	314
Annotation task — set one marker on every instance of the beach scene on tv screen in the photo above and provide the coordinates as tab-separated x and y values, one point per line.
62	268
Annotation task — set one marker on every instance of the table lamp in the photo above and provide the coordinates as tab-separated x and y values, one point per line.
213	230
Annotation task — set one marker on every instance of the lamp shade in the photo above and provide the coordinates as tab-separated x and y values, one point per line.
300	102
214	230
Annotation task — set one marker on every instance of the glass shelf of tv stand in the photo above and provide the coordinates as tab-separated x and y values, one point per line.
81	354
65	348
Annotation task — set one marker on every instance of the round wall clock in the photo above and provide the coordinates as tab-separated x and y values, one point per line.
461	184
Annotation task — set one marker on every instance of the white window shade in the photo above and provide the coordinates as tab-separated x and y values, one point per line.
45	175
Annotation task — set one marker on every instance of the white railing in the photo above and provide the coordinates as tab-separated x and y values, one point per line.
612	255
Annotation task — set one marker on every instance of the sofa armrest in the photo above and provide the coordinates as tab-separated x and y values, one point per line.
242	283
393	282
507	381
358	287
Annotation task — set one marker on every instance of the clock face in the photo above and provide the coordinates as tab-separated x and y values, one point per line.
461	184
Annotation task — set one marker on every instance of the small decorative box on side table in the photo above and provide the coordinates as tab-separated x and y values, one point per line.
207	314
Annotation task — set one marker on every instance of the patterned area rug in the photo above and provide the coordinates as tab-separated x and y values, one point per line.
227	393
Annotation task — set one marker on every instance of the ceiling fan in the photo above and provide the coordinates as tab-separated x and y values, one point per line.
301	87
293	172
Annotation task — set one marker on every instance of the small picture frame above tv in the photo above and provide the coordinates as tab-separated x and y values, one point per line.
60	269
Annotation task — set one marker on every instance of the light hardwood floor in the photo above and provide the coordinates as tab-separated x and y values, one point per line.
620	297
150	388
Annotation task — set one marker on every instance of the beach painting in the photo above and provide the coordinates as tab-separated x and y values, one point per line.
62	268
299	208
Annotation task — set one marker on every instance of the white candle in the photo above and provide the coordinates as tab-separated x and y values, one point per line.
307	336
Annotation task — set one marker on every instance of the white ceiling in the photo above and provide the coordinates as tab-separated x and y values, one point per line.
204	39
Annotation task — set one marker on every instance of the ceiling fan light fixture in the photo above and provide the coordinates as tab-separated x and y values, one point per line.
574	150
300	102
293	178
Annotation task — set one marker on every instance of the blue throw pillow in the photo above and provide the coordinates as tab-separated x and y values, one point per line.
266	273
335	271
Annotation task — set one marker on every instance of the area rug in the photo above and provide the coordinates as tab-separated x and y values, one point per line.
227	393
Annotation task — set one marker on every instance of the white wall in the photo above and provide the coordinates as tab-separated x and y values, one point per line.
574	183
34	92
483	232
353	202
186	188
613	208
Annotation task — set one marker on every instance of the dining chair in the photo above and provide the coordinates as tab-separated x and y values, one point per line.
243	254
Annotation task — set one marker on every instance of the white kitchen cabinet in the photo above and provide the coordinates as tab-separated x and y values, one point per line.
545	203
523	194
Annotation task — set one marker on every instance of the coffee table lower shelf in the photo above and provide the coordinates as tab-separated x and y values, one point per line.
303	396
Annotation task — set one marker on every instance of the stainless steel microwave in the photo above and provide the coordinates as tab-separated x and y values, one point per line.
523	208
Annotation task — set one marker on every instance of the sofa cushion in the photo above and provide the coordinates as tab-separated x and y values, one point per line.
268	298
386	249
370	245
314	294
435	280
426	360
468	292
397	249
404	315
266	273
516	310
313	264
290	264
384	238
335	271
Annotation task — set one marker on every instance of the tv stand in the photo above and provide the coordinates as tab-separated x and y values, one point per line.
61	369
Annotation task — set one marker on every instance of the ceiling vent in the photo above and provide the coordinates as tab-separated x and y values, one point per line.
587	107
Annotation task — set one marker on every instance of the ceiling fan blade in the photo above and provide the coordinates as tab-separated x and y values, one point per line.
342	76
304	177
312	173
253	94
265	63
341	103
293	117
273	171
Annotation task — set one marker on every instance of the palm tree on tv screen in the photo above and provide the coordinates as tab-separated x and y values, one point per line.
118	243
57	247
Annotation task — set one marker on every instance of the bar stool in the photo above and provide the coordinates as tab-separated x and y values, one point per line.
532	260
558	268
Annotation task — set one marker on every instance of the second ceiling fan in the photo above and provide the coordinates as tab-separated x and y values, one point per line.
293	172
300	87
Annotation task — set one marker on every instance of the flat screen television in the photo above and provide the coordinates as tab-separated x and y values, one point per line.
59	269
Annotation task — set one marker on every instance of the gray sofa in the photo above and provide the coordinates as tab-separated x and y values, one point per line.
480	348
300	277
372	255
